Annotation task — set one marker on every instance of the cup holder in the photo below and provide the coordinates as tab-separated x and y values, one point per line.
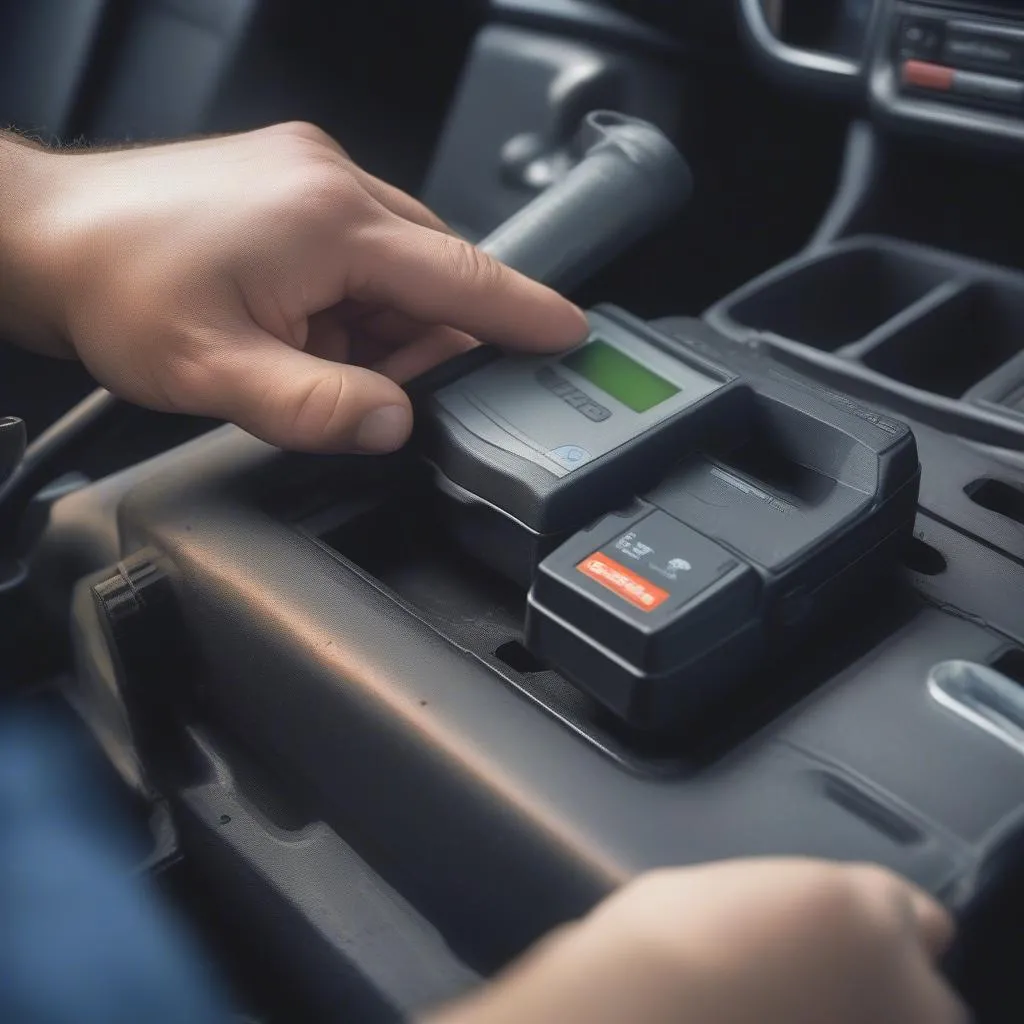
956	344
934	336
840	299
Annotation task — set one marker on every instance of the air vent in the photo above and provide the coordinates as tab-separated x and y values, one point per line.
1002	498
519	659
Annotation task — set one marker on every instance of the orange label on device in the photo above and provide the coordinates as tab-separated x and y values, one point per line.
620	580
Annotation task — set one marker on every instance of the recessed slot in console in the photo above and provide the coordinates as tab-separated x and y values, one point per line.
1011	664
956	344
871	808
1002	498
921	557
519	659
839	299
760	459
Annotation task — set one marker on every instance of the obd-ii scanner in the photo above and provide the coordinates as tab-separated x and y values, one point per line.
676	520
764	506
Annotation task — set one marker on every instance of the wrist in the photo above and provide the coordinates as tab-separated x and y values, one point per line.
30	268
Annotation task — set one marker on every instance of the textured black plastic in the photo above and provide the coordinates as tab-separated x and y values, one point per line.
314	911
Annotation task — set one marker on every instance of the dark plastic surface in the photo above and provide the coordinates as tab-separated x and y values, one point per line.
659	668
45	51
956	344
624	22
49	456
319	915
834	302
511	126
13	440
822	67
165	73
934	336
953	471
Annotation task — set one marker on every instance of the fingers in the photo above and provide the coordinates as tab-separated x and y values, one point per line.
401	348
298	401
328	337
391	344
919	912
412	262
435	346
436	278
935	930
933	922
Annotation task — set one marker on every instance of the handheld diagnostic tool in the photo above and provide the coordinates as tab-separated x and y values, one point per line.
530	449
765	505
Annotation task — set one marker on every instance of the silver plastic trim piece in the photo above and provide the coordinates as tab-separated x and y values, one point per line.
982	696
754	14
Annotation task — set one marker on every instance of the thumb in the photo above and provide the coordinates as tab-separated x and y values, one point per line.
297	401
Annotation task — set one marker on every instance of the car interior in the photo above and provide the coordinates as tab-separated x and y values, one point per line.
742	575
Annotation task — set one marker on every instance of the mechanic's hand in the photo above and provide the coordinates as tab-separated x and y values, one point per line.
747	942
265	279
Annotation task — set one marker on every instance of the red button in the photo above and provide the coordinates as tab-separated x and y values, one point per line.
923	75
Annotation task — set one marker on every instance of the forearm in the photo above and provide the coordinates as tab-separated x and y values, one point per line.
29	273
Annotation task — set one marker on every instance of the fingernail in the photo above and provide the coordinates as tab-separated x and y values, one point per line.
384	429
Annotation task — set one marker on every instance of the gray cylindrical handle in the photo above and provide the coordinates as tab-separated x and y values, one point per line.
630	180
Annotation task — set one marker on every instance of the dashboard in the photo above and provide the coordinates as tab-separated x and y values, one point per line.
952	67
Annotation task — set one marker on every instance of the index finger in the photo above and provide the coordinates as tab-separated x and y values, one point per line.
437	278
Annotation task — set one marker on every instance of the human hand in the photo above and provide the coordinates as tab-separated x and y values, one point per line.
261	278
744	942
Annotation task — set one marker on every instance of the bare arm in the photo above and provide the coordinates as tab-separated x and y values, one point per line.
26	187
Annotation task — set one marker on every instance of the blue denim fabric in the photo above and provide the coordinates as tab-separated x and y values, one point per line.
82	939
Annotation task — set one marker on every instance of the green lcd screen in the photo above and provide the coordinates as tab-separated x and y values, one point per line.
616	374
